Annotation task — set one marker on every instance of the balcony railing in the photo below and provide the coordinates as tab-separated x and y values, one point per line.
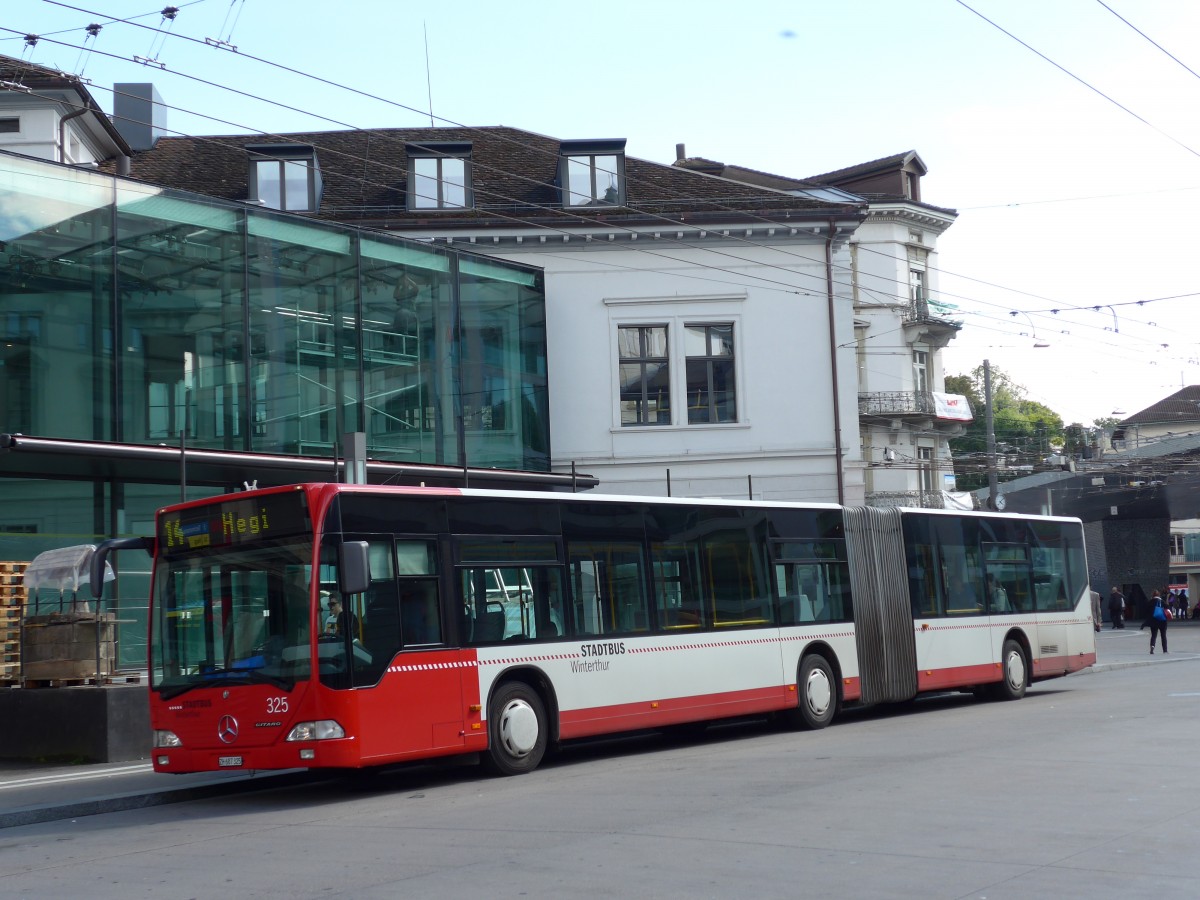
947	408
918	499
896	403
925	311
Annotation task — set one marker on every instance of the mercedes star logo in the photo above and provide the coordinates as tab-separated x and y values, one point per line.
227	729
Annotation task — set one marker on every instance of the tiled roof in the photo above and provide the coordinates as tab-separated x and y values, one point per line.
785	183
1183	407
514	173
875	165
33	76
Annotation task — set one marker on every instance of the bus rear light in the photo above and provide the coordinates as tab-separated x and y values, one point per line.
321	730
166	739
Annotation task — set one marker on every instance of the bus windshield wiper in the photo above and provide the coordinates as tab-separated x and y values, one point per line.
246	670
249	674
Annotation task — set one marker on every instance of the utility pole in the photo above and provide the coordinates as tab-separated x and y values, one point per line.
991	434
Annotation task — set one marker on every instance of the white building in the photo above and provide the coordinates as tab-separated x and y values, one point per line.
49	115
905	417
711	331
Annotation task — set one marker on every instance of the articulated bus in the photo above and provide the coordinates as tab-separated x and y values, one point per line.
331	625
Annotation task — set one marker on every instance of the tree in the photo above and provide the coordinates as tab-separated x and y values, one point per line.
1025	429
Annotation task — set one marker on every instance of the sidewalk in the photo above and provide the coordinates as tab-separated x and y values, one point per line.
31	793
1117	649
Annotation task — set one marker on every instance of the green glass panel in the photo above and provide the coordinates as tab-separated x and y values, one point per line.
183	337
303	339
55	301
502	356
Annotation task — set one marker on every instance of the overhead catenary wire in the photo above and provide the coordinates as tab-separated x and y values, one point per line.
590	256
672	222
792	273
1184	65
1086	84
456	124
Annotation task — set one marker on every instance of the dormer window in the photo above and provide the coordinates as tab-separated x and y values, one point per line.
592	173
912	185
285	176
439	176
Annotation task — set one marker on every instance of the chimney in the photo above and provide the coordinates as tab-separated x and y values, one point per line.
680	153
139	114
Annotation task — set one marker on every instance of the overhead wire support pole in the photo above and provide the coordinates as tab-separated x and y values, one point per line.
993	489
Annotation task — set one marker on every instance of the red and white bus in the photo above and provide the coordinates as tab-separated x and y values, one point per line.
501	623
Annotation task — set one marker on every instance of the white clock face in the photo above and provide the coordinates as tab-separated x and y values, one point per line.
1000	501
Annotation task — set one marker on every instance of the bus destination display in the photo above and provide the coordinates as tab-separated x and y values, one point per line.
233	522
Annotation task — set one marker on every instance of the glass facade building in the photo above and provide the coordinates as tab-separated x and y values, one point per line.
137	315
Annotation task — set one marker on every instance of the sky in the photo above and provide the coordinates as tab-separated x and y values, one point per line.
1071	171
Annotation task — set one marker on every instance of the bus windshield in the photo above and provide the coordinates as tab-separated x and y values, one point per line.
234	615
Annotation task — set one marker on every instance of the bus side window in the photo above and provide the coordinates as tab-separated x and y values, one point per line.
734	580
608	587
419	611
416	569
512	603
376	636
676	578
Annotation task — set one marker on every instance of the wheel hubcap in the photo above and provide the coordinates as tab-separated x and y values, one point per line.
518	728
818	692
1016	670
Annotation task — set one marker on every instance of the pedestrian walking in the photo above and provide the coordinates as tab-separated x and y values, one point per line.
1157	620
1181	601
1116	608
1095	609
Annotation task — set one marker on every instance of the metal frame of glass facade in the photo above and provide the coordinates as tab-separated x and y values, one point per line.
130	313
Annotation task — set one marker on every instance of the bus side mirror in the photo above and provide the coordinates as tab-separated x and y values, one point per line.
100	557
354	571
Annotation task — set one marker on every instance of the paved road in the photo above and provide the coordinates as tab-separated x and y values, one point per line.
1058	795
31	793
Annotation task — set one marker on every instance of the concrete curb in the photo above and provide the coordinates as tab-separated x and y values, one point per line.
1135	663
35	815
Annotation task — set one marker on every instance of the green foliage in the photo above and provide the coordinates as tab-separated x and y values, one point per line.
1025	429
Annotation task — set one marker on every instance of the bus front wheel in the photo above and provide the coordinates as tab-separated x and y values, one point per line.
516	730
1015	672
818	692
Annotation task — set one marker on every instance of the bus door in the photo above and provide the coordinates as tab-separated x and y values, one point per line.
1053	600
407	684
946	587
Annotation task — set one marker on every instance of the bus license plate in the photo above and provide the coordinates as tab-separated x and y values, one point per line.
229	761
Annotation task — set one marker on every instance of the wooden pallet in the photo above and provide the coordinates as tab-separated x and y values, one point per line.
13	568
40	683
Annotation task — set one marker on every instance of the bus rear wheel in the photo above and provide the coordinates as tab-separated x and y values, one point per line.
516	730
1014	672
818	693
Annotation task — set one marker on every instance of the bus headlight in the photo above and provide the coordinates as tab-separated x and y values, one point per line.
166	739
322	730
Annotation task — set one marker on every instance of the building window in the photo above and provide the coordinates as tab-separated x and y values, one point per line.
285	176
10	125
592	173
439	176
711	381
645	375
912	184
925	464
916	286
921	371
1177	544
